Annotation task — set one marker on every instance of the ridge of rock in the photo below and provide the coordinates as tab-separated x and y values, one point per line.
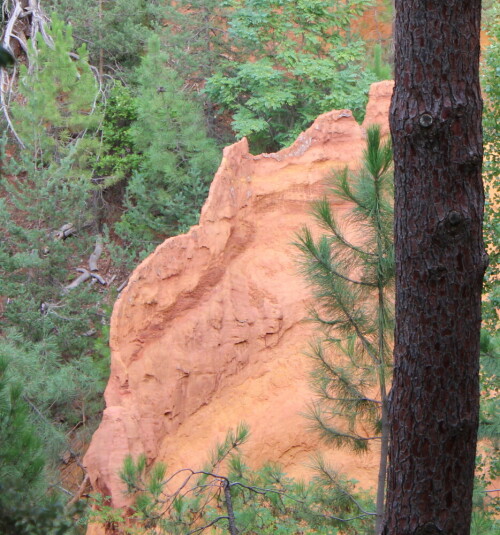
209	331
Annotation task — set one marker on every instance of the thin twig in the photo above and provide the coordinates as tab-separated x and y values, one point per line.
122	285
202	528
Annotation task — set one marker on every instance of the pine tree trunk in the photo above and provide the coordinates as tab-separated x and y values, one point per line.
440	261
382	469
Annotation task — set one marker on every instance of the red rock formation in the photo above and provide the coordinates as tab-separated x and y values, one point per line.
209	331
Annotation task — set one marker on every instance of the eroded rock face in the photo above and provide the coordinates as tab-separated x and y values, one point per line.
209	331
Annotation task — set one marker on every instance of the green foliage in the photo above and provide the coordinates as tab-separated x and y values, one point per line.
26	508
292	61
264	501
491	168
45	186
21	518
489	426
352	276
119	158
21	453
380	68
178	159
483	524
115	32
352	279
56	102
486	504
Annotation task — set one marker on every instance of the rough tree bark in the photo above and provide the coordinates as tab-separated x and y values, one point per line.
440	261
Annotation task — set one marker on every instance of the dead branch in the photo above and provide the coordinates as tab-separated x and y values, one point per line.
13	16
122	285
85	275
79	492
39	22
65	231
14	12
89	333
94	257
4	80
98	278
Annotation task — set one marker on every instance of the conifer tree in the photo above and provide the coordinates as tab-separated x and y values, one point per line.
178	159
21	454
56	103
47	229
118	158
26	505
197	37
352	278
435	121
198	43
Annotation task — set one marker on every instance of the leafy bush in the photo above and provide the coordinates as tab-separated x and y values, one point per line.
292	60
118	158
177	158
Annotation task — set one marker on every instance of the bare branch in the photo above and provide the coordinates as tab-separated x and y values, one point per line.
3	82
98	278
94	257
64	232
122	285
85	275
203	528
79	492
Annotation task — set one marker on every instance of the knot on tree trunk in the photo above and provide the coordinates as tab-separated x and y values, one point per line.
428	529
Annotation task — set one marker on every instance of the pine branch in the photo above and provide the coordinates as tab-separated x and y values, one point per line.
313	250
206	526
323	214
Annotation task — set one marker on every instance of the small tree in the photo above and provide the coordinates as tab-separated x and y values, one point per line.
119	158
22	459
56	102
26	505
178	159
353	284
198	43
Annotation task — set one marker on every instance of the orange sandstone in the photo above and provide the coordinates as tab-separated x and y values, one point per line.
209	331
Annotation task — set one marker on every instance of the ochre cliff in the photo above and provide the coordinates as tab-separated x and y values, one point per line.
209	331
